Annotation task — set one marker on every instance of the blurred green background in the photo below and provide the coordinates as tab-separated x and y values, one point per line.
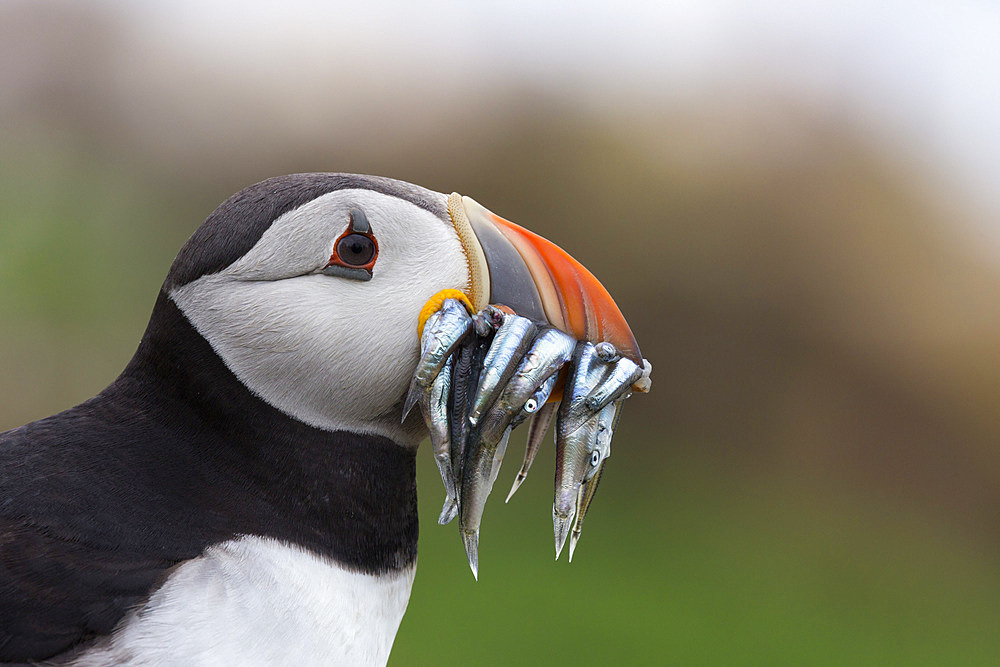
793	221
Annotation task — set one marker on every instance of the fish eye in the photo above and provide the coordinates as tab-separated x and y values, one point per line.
595	458
531	405
356	249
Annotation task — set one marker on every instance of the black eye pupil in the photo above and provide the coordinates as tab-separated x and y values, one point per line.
356	249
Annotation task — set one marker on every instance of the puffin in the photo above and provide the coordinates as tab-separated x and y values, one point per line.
244	492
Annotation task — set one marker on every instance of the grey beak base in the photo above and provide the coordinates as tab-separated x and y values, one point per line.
511	283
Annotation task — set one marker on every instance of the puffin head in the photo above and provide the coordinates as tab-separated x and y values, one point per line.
309	288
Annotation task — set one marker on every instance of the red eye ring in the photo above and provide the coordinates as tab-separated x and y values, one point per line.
355	251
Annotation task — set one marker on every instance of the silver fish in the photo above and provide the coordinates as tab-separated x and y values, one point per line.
526	387
509	344
541	412
540	398
434	407
488	320
589	486
480	474
530	385
449	510
430	387
607	352
583	437
443	331
585	496
623	375
579	455
467	362
541	417
536	375
465	375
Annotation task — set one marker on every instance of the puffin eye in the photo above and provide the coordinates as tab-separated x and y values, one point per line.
355	249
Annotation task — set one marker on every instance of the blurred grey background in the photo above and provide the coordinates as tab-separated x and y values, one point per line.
795	205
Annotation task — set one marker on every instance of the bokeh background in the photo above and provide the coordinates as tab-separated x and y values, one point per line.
795	204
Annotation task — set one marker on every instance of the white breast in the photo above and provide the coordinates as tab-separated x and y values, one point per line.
258	601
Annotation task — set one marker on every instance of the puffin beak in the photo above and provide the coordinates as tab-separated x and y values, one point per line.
513	267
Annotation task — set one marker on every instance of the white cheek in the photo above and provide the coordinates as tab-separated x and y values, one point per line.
332	352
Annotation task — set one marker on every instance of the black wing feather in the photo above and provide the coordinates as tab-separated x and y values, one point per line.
57	591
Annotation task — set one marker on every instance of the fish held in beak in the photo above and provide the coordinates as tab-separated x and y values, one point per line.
519	372
545	341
